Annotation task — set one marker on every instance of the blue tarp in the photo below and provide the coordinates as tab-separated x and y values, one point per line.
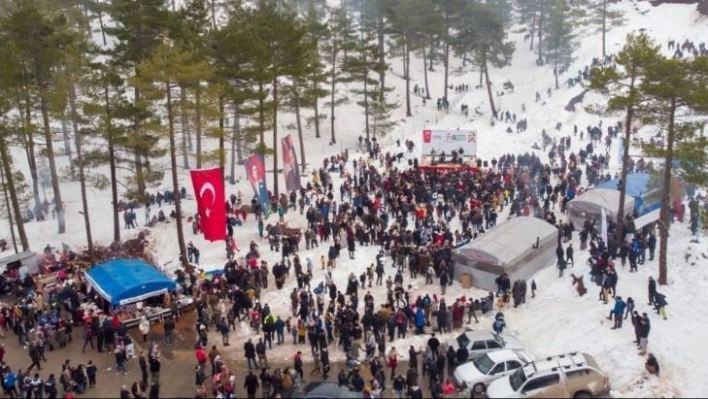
124	281
636	184
637	187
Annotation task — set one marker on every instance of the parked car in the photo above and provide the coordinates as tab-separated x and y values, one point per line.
480	342
324	390
573	375
478	373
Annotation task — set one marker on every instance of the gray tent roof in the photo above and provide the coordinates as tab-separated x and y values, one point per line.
509	241
591	201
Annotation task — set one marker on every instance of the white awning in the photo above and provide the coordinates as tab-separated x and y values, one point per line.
644	220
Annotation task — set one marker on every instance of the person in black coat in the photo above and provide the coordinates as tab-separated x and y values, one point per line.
154	391
652	290
251	385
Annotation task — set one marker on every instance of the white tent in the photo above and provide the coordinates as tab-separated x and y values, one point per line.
588	205
520	247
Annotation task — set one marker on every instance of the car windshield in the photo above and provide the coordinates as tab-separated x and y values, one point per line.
500	340
484	364
462	340
517	379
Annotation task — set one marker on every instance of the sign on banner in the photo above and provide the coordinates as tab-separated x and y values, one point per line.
436	142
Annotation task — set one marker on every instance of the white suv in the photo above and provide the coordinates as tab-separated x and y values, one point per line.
573	375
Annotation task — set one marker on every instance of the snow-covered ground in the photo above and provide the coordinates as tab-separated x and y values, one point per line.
557	320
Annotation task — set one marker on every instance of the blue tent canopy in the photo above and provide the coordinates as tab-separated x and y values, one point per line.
637	188
636	184
124	281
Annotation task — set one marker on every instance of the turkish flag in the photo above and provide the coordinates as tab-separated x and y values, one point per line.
427	136
209	192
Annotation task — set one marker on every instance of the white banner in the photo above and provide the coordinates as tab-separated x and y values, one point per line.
436	142
603	226
620	151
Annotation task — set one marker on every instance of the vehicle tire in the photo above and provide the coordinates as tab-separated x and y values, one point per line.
582	395
479	388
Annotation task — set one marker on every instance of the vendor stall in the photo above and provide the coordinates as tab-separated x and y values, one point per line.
125	281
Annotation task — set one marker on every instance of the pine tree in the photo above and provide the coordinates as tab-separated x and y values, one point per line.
6	137
232	55
340	40
105	108
596	12
672	87
451	11
281	50
139	28
405	22
157	78
39	39
621	85
484	36
317	74
188	29
560	40
361	66
429	29
75	70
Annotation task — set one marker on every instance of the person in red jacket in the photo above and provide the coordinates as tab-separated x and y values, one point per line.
201	356
392	361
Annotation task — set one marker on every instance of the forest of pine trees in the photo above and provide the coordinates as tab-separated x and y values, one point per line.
151	87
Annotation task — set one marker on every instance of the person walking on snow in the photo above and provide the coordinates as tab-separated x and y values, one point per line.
618	312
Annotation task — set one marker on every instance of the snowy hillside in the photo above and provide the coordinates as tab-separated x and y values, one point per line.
556	320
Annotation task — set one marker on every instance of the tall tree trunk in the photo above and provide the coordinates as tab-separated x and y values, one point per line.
112	165
67	141
275	137
604	27
261	113
540	33
28	141
137	155
58	204
8	205
184	124
664	217
431	61
446	55
555	68
532	31
213	14
300	135
332	88
175	181
198	122
489	87
236	152
222	127
407	76
317	111
425	75
367	127
625	166
82	178
10	182
382	53
100	23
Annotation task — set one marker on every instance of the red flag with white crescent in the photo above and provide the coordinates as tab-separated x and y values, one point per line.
211	199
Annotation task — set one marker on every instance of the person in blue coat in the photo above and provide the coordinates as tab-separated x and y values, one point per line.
499	323
618	312
419	321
